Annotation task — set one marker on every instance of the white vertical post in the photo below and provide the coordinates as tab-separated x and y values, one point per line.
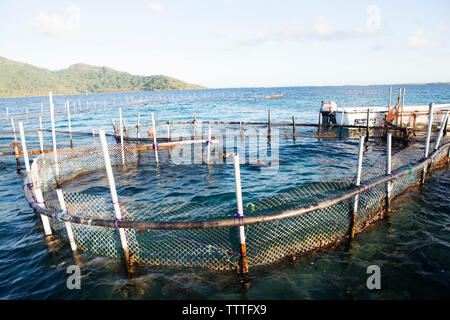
209	145
36	189
55	152
430	123
121	136
62	205
93	135
358	182
155	143
70	126
13	129
240	212
41	141
27	113
24	148
342	122
403	97
42	108
168	132
443	125
41	135
112	188
388	169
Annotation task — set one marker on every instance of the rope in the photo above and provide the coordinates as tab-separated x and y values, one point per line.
29	185
115	223
59	213
240	219
34	202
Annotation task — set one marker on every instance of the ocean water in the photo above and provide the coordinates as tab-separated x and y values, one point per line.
411	247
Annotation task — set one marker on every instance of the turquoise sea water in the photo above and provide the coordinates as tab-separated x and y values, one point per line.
411	247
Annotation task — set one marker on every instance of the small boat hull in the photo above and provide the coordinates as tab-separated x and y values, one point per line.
413	116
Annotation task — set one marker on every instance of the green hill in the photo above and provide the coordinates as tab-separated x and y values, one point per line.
22	80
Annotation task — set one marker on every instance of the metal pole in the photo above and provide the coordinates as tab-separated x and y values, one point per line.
240	213
62	206
430	123
293	127
70	127
342	123
388	170
55	153
138	127
41	142
155	143
195	127
169	139
390	96
427	141
36	188
121	136
403	104
112	188
358	182
320	124
269	120
443	125
209	145
93	135
41	135
367	123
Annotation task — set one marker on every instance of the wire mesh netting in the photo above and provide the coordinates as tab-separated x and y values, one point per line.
217	248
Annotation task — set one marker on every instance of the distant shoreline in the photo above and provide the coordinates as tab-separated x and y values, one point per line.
231	88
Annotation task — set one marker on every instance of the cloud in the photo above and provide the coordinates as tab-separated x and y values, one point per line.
418	40
155	6
322	27
319	29
54	25
443	27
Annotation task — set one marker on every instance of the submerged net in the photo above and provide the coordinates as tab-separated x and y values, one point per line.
217	248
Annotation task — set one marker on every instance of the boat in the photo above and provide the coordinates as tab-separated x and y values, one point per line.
276	96
407	116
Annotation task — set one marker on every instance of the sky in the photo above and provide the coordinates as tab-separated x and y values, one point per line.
231	43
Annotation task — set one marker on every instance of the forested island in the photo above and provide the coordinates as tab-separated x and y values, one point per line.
24	80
